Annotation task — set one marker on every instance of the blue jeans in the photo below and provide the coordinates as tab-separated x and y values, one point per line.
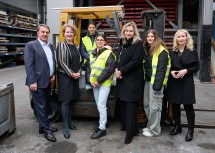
101	95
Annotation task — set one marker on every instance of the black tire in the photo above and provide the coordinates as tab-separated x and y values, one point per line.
53	111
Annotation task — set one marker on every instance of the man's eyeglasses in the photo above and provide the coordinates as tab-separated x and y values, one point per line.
99	40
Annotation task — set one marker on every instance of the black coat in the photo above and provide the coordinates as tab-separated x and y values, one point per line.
130	63
182	91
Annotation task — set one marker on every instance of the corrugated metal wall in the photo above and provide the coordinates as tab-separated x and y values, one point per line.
133	9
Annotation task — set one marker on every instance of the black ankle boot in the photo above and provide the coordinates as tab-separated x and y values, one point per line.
128	140
189	136
177	129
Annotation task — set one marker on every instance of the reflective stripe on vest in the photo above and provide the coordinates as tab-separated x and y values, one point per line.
155	63
97	65
88	44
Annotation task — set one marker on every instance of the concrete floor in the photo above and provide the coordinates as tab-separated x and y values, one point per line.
27	140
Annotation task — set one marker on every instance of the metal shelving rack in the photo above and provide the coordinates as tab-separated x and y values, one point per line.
15	40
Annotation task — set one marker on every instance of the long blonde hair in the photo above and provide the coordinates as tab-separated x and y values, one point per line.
156	44
136	32
189	40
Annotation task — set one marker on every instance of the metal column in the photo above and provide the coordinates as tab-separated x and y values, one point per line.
204	38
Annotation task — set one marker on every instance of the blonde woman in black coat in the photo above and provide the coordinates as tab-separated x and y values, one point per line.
181	88
129	74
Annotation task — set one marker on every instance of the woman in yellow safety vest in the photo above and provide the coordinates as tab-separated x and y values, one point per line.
88	44
156	65
100	74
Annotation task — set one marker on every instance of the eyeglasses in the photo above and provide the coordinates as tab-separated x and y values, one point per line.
99	40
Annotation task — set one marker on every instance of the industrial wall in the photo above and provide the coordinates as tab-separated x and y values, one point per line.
29	5
30	8
53	16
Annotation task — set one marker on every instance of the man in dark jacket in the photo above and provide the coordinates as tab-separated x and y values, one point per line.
40	70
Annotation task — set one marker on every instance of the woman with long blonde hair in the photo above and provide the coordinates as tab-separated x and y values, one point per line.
129	74
181	88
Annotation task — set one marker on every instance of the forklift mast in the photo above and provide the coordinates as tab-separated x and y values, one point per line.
154	19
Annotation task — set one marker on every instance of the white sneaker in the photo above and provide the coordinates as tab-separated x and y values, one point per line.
145	129
148	134
88	87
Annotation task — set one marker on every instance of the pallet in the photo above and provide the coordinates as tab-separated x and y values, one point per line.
22	24
25	18
3	48
20	49
3	52
4	23
3	40
4	18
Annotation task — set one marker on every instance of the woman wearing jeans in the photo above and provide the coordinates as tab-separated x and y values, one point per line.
102	65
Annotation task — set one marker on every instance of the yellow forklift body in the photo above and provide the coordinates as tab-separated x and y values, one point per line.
79	13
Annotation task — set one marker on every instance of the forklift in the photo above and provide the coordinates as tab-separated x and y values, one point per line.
86	106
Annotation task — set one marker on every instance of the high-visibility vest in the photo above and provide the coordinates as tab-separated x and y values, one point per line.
155	63
97	65
88	44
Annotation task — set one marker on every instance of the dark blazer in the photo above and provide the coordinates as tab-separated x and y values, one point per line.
36	64
130	63
182	91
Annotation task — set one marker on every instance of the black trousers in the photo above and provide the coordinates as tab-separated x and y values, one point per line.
128	113
164	106
41	99
189	113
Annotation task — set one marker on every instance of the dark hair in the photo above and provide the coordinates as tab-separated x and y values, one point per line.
103	36
93	23
42	25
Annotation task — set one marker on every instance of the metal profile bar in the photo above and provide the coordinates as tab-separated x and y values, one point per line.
152	5
116	23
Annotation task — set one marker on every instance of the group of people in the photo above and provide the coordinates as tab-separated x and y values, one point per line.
142	69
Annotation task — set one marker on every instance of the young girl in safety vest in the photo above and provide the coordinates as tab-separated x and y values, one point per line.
102	65
157	66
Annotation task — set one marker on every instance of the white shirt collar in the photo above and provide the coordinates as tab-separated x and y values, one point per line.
42	43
